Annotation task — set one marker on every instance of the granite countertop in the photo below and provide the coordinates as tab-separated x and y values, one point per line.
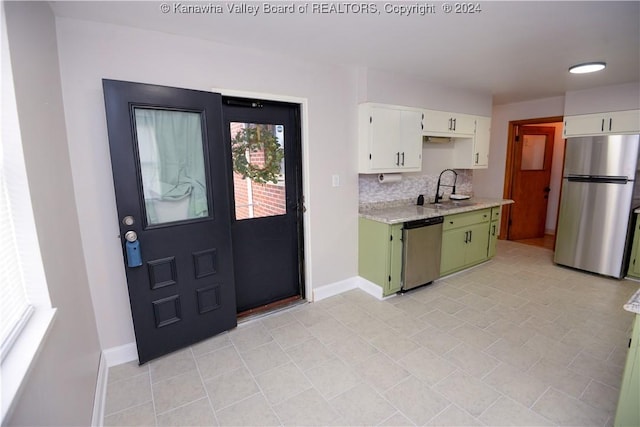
409	211
633	305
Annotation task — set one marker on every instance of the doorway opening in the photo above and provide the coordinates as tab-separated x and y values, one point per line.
533	177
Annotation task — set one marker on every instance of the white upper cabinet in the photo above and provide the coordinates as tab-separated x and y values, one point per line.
473	152
442	123
618	122
390	139
481	143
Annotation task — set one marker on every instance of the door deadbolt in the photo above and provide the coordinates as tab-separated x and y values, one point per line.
131	236
128	220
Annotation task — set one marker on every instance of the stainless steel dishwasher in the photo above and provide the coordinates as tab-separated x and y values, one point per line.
421	252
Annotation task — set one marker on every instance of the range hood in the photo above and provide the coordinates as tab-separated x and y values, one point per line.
436	139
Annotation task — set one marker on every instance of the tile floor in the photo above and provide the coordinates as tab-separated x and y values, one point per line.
515	341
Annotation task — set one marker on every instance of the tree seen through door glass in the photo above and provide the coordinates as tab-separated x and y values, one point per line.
172	165
258	170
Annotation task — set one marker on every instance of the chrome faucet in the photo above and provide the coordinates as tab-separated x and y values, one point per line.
453	187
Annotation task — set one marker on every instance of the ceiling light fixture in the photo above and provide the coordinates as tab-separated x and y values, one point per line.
587	67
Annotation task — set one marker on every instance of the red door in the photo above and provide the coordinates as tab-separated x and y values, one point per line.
531	178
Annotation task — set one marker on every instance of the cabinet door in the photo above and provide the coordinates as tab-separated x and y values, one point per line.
411	140
384	138
586	124
624	122
437	123
443	123
481	142
494	228
634	262
464	124
453	250
395	261
628	411
477	243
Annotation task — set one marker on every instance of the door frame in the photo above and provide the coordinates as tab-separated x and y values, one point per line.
304	147
509	166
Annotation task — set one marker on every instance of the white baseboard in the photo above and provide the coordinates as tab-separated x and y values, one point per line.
355	282
371	288
336	288
100	397
118	355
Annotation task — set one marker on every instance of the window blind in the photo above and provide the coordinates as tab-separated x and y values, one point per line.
14	304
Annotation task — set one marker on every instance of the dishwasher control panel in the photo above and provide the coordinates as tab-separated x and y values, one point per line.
424	222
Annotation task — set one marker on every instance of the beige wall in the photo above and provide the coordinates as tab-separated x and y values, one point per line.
92	51
60	388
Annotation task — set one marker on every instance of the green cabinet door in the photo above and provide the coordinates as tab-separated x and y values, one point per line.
395	261
634	261
494	230
454	244
628	412
380	254
493	238
477	244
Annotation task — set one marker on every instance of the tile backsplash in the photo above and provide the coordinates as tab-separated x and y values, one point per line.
372	191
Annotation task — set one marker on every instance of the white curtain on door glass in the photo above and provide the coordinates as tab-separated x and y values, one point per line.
172	164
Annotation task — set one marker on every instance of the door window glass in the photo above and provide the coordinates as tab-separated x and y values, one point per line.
533	147
258	170
172	165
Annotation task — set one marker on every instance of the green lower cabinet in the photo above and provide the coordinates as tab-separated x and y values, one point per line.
628	412
380	254
634	260
465	240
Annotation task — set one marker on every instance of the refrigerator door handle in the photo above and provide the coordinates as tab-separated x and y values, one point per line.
598	179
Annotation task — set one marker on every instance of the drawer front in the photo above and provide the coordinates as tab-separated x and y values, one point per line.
466	219
495	213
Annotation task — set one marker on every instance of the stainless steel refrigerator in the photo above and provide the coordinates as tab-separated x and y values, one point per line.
599	193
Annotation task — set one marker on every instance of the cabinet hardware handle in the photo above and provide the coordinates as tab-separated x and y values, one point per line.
602	126
494	230
470	235
454	124
477	157
403	158
450	123
610	123
398	158
466	237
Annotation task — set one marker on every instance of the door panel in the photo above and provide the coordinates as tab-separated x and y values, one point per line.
589	206
172	190
531	179
267	222
614	155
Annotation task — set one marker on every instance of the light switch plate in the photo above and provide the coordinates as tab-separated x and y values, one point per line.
335	180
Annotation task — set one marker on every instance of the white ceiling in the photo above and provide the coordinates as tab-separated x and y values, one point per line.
514	50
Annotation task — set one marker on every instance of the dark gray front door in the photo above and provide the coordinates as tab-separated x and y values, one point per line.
267	196
172	181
